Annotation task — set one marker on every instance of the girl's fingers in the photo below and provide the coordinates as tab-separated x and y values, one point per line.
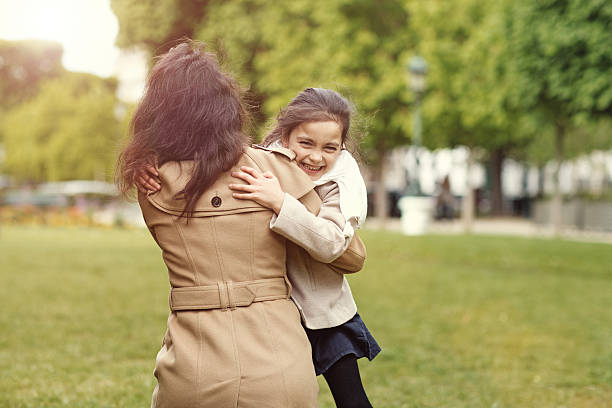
242	196
148	183
244	176
153	180
151	169
146	180
141	182
242	187
250	171
268	175
151	184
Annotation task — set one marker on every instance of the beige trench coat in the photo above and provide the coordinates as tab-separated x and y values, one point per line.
234	337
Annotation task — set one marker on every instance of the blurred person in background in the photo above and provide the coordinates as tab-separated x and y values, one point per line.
446	203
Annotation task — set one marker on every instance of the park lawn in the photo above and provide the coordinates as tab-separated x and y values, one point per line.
464	321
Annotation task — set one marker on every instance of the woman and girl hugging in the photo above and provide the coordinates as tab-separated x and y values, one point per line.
256	239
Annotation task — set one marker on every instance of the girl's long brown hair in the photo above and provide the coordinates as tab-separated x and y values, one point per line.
191	110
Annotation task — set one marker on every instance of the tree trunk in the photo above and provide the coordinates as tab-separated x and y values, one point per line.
380	194
496	165
467	205
557	201
541	177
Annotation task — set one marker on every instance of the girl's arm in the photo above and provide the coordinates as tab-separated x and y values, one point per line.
325	237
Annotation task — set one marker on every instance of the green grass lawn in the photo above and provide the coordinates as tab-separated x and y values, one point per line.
463	321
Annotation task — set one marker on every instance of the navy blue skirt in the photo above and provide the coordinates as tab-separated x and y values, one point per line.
331	344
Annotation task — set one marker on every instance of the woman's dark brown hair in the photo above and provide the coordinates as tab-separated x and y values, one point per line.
191	110
313	105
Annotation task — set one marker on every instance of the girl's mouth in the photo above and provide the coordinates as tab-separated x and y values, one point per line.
311	169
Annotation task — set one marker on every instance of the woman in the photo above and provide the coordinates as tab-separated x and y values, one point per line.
234	337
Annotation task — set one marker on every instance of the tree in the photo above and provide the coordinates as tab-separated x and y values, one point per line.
468	99
156	25
67	131
561	66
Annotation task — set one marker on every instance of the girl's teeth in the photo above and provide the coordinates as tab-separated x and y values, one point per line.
311	168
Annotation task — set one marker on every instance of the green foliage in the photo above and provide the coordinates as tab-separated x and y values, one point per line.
464	321
562	56
561	70
145	23
155	25
23	66
67	131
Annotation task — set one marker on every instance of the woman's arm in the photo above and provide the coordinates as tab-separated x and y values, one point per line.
352	259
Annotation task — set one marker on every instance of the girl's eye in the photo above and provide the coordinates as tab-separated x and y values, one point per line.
304	143
330	149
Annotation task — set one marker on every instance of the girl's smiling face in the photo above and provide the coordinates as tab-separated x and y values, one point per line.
317	146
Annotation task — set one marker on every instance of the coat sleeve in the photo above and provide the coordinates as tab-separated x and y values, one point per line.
353	259
326	236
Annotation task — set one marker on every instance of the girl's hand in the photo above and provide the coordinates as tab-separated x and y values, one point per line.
263	188
147	179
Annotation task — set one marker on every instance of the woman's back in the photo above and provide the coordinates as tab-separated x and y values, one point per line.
234	337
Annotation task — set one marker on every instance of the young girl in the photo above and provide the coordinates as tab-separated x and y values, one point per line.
315	127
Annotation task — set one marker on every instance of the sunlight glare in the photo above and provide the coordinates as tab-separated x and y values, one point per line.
86	30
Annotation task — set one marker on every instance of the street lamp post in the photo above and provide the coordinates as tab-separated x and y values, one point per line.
416	208
417	71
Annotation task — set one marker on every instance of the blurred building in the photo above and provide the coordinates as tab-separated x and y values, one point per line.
586	175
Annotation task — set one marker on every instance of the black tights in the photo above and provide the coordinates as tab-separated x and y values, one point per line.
345	384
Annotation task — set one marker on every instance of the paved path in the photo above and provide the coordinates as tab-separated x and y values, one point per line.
499	226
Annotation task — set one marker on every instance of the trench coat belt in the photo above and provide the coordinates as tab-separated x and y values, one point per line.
228	295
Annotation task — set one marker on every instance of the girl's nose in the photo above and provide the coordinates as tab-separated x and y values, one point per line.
316	156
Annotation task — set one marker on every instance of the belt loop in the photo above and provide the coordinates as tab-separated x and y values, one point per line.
223	295
170	300
289	287
230	298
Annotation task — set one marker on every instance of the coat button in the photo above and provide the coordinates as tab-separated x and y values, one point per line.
216	201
